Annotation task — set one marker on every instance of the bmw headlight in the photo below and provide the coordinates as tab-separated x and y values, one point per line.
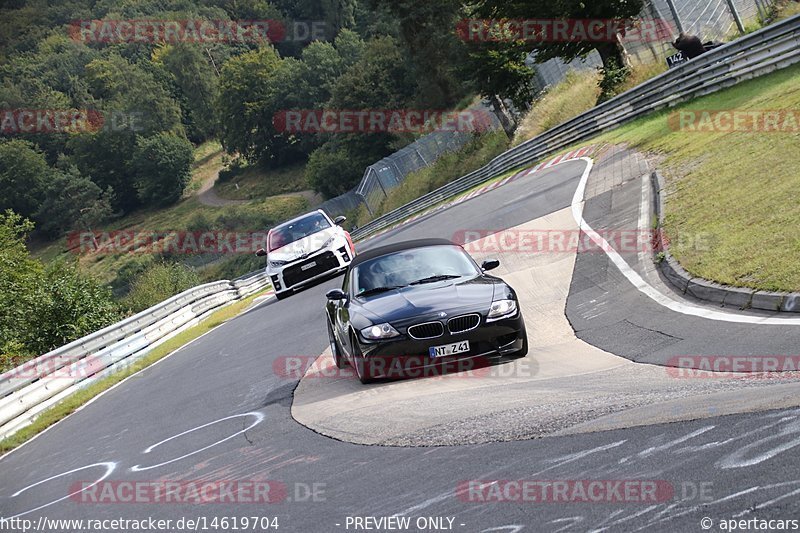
277	263
379	331
502	309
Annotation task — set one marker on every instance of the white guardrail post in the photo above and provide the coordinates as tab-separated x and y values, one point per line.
40	383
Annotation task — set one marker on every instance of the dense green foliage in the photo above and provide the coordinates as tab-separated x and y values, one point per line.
42	308
158	282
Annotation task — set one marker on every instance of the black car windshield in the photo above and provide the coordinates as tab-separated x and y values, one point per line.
415	266
296	230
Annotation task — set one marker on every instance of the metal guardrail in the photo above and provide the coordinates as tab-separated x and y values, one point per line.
32	387
761	52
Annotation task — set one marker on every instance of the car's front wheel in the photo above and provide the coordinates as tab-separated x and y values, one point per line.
360	363
335	353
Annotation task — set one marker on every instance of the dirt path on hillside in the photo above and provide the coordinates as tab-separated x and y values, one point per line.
208	195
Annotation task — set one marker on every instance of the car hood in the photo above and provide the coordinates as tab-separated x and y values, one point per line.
305	246
427	300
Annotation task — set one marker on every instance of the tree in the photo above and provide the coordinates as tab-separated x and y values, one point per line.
73	201
427	30
244	105
193	74
24	174
67	305
612	52
331	170
132	97
499	71
162	168
377	80
106	158
19	275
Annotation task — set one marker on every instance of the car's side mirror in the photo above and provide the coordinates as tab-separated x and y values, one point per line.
338	220
489	264
335	294
261	252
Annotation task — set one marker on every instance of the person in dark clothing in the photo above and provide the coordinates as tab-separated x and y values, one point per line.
690	45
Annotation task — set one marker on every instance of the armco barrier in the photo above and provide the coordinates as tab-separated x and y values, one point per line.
31	388
769	49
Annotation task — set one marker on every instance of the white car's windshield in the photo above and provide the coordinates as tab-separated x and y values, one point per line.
296	230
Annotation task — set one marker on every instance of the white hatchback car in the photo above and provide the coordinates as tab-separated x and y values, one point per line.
305	249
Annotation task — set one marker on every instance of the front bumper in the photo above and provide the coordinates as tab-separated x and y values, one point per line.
300	273
404	356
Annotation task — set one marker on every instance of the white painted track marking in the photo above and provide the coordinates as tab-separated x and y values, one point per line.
645	288
110	466
259	419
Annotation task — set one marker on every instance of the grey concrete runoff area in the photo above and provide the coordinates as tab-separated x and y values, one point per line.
594	402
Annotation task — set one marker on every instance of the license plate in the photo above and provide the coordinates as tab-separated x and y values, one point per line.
449	349
312	264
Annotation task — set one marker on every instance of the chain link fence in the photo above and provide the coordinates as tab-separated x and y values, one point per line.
390	171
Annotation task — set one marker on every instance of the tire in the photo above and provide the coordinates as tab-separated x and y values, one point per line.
282	295
335	352
359	363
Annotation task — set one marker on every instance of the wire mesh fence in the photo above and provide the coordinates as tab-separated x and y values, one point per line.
379	178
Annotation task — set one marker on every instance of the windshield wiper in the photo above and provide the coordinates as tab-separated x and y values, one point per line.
431	279
376	290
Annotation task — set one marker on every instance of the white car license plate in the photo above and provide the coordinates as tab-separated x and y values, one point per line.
312	264
449	349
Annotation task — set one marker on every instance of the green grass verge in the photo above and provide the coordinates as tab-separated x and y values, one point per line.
737	190
258	183
573	95
74	401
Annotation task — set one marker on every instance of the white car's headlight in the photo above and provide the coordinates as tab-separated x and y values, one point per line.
502	309
379	331
277	263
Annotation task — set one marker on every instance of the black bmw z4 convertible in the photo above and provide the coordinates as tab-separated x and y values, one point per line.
421	305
